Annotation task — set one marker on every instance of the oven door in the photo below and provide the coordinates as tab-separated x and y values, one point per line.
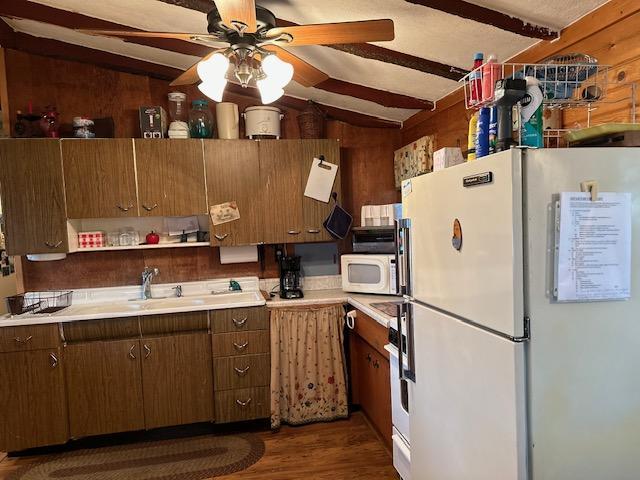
368	273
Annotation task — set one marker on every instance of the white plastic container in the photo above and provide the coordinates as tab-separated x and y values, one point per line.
262	122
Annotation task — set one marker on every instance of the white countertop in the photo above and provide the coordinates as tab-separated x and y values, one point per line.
116	302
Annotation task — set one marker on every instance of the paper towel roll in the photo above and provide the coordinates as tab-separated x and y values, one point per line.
245	254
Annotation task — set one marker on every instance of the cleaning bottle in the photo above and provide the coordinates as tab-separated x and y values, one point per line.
491	73
475	80
482	133
531	115
471	142
493	129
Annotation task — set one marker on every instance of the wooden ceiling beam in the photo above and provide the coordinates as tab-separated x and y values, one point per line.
62	18
70	52
485	15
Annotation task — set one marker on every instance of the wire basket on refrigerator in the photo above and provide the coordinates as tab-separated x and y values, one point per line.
566	81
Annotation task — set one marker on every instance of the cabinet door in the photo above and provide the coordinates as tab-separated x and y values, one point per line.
281	179
233	175
177	379
105	387
170	177
315	212
33	196
99	178
33	410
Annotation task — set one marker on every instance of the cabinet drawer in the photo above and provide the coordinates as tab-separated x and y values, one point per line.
240	343
240	319
151	325
241	372
31	337
242	404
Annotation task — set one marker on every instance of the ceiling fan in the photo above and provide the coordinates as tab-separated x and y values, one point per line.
247	46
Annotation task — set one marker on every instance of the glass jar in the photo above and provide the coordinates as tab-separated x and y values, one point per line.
178	107
200	120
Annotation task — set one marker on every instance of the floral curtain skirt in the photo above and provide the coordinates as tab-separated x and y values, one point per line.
308	380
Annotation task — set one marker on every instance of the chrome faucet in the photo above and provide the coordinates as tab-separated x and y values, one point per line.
147	278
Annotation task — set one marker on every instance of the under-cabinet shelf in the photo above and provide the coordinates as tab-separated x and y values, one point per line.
144	247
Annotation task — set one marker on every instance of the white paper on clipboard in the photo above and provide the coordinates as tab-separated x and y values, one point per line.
320	181
593	243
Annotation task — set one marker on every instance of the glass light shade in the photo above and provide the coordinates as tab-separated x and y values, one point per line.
215	67
213	88
278	71
269	91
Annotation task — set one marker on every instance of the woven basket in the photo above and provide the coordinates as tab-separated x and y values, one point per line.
311	122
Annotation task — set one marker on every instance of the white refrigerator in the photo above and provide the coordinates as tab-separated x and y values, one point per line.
507	383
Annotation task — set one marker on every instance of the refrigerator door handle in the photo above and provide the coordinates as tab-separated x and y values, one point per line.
410	373
403	256
396	242
399	315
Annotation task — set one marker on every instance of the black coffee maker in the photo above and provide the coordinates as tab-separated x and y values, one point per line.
290	278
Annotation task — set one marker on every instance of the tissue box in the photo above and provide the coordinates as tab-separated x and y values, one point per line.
446	157
91	239
380	215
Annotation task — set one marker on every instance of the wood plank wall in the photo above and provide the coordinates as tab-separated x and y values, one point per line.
611	34
82	89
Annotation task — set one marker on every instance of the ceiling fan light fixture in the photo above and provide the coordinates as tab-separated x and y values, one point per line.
214	68
213	89
277	70
270	91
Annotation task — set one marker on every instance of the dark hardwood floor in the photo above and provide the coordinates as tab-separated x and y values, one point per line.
341	450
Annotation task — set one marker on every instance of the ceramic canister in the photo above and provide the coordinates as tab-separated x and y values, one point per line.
227	119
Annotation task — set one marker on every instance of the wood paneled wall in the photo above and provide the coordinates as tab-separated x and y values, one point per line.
83	89
611	34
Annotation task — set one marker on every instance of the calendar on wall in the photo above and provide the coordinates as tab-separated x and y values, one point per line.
413	159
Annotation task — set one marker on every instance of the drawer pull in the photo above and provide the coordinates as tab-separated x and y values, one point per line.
131	355
152	207
313	230
294	232
53	245
124	209
239	323
245	403
240	347
242	371
147	351
54	360
23	340
221	237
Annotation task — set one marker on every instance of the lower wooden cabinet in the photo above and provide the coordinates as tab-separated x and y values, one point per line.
242	404
105	387
33	409
370	375
177	380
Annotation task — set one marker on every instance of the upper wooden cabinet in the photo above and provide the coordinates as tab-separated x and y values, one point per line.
33	196
170	177
233	168
99	178
289	216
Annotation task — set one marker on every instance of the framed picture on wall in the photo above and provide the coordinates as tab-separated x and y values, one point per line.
413	159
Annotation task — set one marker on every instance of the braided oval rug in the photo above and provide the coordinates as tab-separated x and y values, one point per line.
194	458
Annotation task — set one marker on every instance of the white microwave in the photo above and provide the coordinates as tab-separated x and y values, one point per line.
368	273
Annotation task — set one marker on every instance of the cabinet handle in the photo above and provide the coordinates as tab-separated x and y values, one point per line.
131	355
23	340
221	237
240	347
124	209
245	403
313	230
376	364
54	360
147	351
53	245
242	371
148	209
294	232
239	323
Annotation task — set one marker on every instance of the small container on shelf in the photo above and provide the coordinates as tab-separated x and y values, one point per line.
200	120
83	127
91	239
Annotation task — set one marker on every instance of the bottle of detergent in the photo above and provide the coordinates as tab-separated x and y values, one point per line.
475	80
491	73
482	133
471	142
531	115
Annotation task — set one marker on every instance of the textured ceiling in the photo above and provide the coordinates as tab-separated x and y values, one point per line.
420	31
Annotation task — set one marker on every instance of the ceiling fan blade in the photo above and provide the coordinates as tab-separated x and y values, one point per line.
332	33
304	73
190	75
133	33
242	11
